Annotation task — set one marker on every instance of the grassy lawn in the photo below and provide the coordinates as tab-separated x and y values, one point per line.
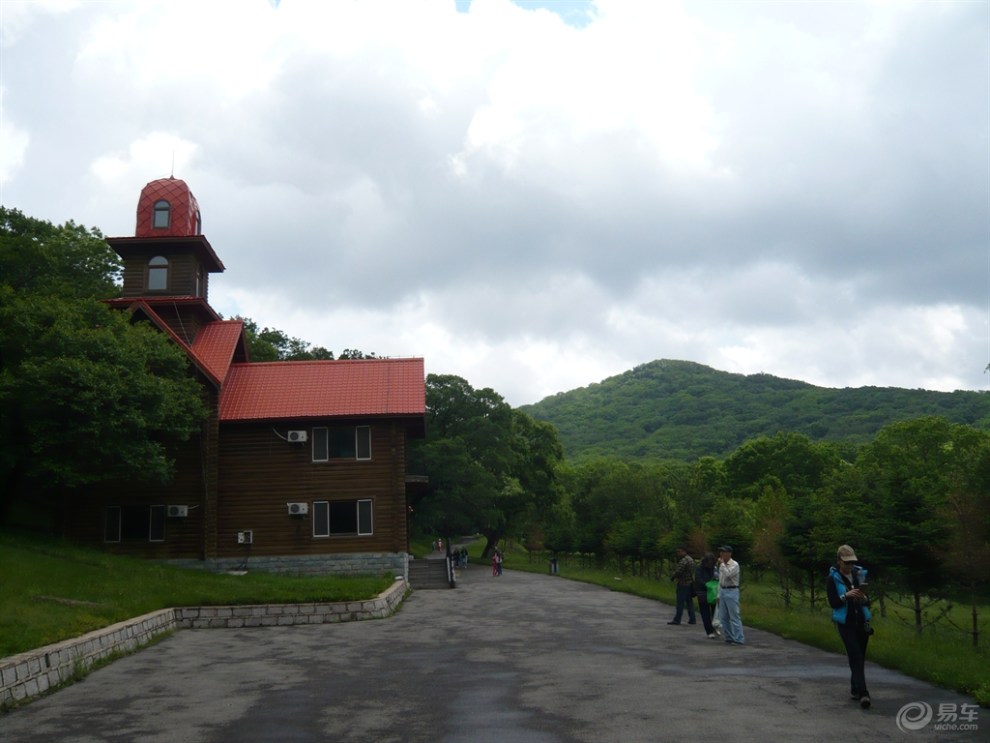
52	591
941	655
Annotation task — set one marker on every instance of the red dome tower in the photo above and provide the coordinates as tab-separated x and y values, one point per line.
167	208
168	262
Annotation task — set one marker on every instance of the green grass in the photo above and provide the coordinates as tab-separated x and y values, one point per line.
52	591
940	655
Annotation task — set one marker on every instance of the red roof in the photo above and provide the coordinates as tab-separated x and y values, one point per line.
216	344
324	389
184	218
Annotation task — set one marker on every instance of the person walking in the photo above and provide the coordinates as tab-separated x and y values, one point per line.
728	597
684	576
851	614
704	573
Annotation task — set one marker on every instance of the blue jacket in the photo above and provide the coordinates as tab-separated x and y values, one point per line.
837	589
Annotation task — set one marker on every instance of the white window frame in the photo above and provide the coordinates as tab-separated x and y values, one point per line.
357	445
118	524
106	516
158	266
321	432
321	449
321	519
151	520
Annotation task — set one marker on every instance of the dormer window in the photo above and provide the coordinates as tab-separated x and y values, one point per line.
163	214
158	272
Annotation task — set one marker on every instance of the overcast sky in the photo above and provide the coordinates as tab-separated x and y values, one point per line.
538	199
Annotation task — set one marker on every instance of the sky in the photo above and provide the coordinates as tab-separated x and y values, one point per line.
536	196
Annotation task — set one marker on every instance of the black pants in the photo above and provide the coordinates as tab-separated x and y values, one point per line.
705	609
854	637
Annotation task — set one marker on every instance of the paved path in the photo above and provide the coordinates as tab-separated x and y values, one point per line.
522	658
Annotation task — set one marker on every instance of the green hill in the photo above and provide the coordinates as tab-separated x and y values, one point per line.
683	410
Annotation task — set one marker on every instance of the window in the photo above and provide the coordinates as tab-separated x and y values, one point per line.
348	442
343	518
163	214
134	524
111	524
158	273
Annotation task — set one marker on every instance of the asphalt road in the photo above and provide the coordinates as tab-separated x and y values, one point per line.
522	658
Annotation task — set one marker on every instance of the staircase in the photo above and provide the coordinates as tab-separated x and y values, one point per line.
428	574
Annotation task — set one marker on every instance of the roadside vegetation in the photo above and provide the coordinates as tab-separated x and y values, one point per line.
943	655
52	591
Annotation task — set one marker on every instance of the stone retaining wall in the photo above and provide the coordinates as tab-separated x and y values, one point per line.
365	563
34	673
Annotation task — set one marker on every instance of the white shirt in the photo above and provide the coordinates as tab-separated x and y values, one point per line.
728	574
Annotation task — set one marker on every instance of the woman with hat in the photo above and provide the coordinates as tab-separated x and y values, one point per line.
851	614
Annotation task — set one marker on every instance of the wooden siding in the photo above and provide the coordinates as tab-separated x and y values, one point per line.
83	516
182	269
194	485
260	473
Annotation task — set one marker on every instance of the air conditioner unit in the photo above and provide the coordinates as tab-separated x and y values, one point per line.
177	512
245	537
298	436
298	509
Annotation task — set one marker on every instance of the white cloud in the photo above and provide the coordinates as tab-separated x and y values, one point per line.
798	189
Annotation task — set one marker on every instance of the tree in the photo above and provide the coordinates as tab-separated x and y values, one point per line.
85	395
270	344
491	468
909	469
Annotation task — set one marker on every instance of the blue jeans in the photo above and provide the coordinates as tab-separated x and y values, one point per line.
685	597
728	615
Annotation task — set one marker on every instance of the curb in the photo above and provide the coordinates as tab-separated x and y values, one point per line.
26	676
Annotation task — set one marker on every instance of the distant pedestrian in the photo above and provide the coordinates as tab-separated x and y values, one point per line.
851	614
496	563
704	574
684	576
728	597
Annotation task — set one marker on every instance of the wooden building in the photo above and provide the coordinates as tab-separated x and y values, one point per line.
301	466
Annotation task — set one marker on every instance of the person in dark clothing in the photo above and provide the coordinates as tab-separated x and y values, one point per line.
704	572
851	614
684	575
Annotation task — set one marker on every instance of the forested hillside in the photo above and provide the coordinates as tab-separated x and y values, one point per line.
683	410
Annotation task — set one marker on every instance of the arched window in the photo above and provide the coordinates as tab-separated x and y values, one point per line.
158	273
163	214
199	223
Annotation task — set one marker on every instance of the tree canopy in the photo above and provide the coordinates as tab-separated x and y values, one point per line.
491	468
85	395
680	410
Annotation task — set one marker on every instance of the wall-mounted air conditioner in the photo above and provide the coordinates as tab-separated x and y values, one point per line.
177	512
298	509
298	436
245	537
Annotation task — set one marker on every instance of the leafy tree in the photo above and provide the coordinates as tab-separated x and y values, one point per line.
730	521
85	395
790	459
491	468
270	344
910	469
